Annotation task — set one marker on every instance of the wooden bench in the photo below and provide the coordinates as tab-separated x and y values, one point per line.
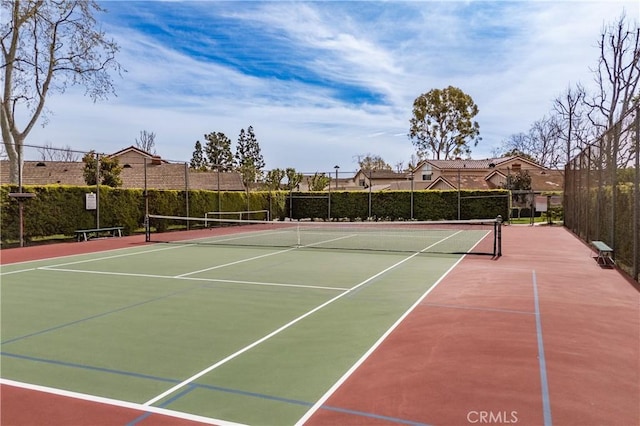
86	234
605	253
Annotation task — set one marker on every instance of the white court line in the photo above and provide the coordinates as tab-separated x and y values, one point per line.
382	338
256	257
17	272
233	263
67	255
284	327
118	403
87	260
215	280
273	333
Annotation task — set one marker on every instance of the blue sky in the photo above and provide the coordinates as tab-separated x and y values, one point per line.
325	82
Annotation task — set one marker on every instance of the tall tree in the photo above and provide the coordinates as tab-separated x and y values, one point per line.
548	147
248	153
318	182
442	123
147	141
617	78
218	152
293	178
516	152
542	143
519	181
569	108
198	161
273	178
372	162
48	46
49	153
110	170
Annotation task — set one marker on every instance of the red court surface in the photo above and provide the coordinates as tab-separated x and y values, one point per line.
541	336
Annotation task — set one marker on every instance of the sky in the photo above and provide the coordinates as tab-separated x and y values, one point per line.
325	83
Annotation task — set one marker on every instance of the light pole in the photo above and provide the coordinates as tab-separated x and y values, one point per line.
336	167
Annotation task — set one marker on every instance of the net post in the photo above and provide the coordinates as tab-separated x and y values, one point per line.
497	245
147	229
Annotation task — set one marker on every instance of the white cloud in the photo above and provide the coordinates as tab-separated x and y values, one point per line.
513	58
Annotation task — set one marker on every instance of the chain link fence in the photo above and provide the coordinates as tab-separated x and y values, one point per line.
601	197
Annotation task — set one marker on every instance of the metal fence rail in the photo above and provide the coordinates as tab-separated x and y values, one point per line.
602	200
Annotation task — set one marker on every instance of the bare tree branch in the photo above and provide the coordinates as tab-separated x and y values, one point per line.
48	46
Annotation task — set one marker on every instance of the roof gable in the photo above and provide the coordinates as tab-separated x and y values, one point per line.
439	182
381	174
517	159
131	150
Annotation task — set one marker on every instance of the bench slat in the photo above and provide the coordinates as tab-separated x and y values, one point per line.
601	246
604	253
83	233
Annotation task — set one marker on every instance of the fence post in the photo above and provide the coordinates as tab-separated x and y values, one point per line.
636	201
186	190
97	190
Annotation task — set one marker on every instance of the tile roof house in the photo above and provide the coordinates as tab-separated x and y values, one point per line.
136	164
378	180
466	174
486	174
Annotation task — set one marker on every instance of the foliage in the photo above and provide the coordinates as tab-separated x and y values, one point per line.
372	162
48	46
249	173
293	178
198	161
61	209
110	170
519	181
273	179
396	205
517	153
626	174
442	123
318	182
248	155
218	152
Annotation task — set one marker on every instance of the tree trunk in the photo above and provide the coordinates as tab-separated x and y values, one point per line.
14	150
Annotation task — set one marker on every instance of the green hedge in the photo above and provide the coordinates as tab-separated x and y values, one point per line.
60	210
396	205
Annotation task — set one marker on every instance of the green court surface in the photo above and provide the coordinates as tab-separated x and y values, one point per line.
252	335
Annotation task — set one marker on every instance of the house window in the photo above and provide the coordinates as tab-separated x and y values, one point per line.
516	167
427	173
361	182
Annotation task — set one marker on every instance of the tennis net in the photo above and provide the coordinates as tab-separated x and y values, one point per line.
455	237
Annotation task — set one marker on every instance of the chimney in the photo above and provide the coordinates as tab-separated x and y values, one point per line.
156	160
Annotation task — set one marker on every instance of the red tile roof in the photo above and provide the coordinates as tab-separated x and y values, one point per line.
162	176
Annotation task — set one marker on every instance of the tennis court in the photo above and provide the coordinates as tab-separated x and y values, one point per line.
393	329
